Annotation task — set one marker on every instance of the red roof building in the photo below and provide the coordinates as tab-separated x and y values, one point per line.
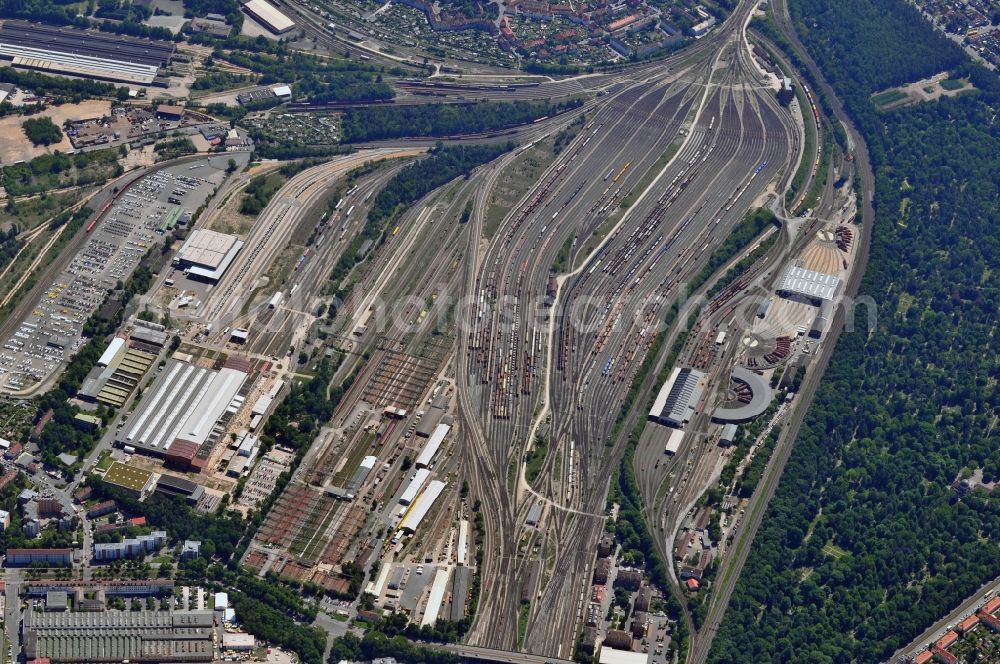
947	640
943	655
692	585
923	657
137	521
991	606
990	621
968	624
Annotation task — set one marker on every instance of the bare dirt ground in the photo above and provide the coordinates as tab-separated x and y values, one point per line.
15	146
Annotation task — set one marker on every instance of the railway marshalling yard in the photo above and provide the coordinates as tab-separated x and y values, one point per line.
464	351
464	348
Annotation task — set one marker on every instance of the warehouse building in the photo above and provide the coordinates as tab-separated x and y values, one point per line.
113	382
206	255
439	586
171	485
116	636
808	286
268	16
64	50
461	582
678	398
421	507
433	444
185	413
413	488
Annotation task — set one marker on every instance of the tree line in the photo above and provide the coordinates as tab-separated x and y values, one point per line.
380	122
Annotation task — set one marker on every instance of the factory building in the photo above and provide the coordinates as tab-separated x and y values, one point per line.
116	375
421	507
116	636
206	255
183	413
678	398
809	286
268	16
64	50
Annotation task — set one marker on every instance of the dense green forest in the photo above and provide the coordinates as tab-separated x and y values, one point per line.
378	122
903	409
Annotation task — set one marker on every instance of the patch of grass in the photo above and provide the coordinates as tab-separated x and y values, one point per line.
30	213
834	551
888	97
561	262
105	461
534	459
522	623
651	174
818	182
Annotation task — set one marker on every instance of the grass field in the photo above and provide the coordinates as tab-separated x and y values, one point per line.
952	84
514	183
887	98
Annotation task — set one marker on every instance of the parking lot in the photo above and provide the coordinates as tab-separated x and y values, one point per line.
131	226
